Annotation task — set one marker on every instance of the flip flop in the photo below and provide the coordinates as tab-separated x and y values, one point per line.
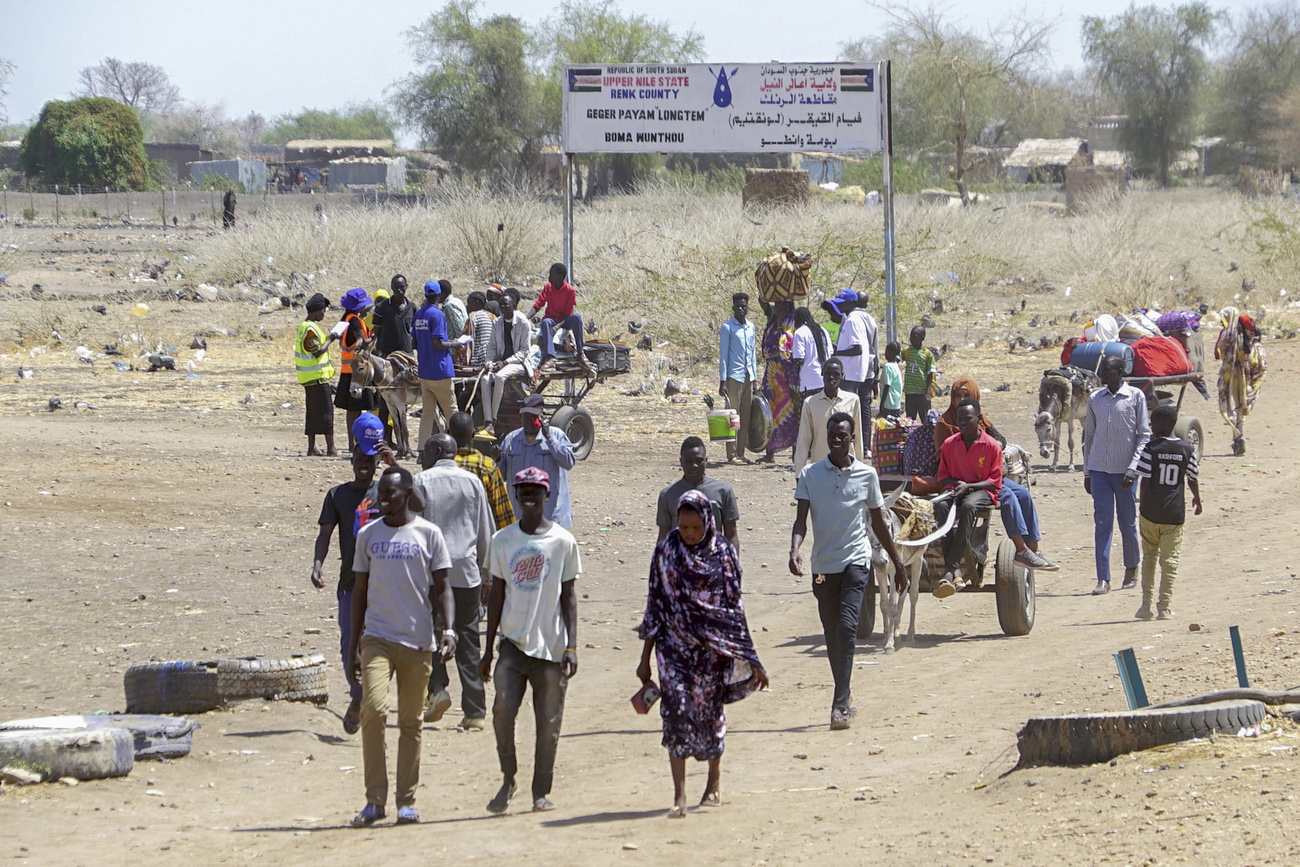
677	813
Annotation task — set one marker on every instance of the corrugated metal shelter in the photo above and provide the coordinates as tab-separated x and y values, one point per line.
1045	159
251	174
389	172
320	152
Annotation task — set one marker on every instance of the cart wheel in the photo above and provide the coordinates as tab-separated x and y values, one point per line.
578	427
867	614
1015	592
1190	430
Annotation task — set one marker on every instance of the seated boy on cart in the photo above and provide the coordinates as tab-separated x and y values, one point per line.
970	465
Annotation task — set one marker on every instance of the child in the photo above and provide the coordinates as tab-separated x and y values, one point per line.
918	375
891	383
1165	464
400	567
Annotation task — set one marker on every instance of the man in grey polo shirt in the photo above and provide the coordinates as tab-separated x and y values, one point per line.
838	492
456	502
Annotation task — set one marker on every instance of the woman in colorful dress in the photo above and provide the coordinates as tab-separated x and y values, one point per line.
780	384
1241	371
695	625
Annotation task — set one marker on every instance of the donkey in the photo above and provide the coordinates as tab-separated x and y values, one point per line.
1062	396
913	556
397	380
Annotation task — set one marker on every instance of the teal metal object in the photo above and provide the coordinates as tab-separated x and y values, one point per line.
1129	675
1242	680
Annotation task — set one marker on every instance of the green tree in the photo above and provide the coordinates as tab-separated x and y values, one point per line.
1154	61
475	99
92	140
1258	74
6	73
593	31
367	120
954	88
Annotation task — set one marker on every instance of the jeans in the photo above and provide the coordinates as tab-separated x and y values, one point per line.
1019	517
961	538
1110	499
839	600
472	699
740	396
345	635
864	390
380	661
546	329
916	405
1164	541
515	672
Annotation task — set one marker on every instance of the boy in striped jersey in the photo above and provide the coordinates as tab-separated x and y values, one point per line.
1165	466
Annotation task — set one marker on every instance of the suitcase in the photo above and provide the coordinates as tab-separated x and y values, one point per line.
608	355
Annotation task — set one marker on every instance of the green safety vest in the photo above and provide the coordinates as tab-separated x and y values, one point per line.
310	367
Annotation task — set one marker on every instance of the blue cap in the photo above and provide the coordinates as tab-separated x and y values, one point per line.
432	288
368	431
354	300
846	295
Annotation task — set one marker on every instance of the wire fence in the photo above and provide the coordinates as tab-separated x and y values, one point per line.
173	208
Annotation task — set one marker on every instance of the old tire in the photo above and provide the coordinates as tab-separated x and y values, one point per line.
78	753
1087	739
1016	593
1190	430
760	425
172	687
298	678
578	427
156	737
867	614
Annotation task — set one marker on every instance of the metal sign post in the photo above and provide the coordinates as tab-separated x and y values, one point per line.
887	199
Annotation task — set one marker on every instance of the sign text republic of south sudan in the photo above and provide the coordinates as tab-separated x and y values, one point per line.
712	108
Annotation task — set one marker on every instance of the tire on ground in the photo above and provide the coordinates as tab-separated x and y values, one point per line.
298	678
171	687
78	753
156	737
1091	738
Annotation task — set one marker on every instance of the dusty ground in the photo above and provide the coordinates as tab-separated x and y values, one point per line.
175	521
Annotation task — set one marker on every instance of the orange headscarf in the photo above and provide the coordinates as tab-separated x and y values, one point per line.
946	426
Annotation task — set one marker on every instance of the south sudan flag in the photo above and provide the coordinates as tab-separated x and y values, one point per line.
863	80
584	80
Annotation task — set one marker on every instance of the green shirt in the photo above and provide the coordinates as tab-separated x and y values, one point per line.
891	385
919	365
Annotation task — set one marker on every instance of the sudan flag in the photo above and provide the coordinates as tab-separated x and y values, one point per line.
863	80
584	80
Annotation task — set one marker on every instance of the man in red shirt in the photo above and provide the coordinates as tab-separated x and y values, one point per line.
970	464
560	299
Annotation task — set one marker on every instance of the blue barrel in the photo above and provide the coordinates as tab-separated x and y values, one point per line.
1089	355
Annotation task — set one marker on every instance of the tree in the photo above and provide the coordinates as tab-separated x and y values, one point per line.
1154	61
1258	76
593	31
198	123
367	120
137	84
475	100
954	87
92	140
6	73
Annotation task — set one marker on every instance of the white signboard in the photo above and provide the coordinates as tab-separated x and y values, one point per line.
712	108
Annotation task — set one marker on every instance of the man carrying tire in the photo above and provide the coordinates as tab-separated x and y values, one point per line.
838	492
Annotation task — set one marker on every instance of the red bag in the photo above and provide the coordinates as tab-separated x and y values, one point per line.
1159	356
1068	349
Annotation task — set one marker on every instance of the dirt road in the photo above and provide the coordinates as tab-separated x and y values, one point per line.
175	521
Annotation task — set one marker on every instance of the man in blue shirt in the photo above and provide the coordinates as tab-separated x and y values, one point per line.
537	444
433	350
737	370
839	492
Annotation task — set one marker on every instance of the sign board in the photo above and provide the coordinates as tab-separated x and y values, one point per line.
716	108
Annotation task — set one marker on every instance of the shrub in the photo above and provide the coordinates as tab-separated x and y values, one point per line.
92	140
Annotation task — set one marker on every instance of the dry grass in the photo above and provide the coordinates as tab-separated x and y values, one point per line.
672	258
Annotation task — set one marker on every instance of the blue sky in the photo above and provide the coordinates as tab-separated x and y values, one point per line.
284	55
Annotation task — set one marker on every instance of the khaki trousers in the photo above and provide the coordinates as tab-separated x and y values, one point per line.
1163	541
380	660
740	395
441	393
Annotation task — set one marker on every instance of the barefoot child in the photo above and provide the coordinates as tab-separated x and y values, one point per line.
1166	463
891	383
918	374
401	570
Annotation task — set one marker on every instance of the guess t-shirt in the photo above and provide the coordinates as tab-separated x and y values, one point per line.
534	568
1167	463
400	562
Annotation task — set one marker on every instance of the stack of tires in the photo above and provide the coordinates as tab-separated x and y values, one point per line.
90	747
195	687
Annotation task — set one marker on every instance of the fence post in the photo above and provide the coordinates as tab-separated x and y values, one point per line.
107	204
56	204
128	204
164	211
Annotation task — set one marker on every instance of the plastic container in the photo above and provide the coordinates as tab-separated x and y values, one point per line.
1088	355
723	424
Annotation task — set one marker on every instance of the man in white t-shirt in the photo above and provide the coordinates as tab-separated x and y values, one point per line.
533	564
858	349
401	566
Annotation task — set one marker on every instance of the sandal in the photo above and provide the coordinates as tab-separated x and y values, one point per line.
946	587
711	799
368	816
677	813
352	719
407	816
